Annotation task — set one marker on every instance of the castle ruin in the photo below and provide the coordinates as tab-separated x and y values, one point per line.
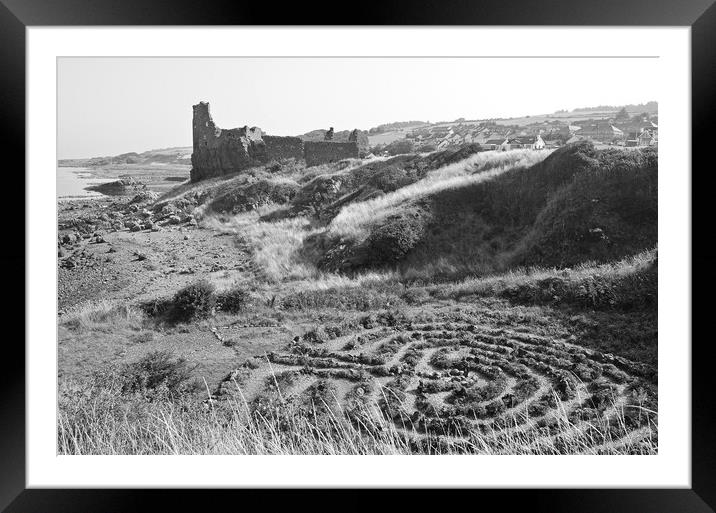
218	151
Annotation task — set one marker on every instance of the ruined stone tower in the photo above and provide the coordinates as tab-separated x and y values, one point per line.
223	151
219	151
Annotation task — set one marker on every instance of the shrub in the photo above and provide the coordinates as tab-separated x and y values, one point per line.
316	336
156	307
400	146
154	370
194	301
393	239
427	148
392	178
242	197
233	300
415	296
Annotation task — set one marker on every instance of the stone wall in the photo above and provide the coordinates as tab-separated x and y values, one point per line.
361	137
322	152
219	152
278	147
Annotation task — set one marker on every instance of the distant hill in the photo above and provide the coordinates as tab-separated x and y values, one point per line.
444	134
178	155
648	107
388	127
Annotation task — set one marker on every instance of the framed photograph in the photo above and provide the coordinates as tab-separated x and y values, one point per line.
417	251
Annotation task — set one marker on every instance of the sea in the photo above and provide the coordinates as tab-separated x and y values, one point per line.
73	181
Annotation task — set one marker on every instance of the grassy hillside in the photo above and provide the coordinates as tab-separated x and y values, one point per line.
448	213
459	301
577	205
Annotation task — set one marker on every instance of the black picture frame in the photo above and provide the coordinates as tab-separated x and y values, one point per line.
16	15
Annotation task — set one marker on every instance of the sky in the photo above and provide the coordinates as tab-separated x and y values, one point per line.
108	106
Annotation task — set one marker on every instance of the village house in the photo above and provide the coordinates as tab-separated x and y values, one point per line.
496	144
525	142
646	138
552	142
632	139
602	131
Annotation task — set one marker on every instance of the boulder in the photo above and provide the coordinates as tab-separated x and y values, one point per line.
145	197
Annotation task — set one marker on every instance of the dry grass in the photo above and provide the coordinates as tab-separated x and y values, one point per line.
494	285
275	245
328	281
103	315
354	220
277	249
106	423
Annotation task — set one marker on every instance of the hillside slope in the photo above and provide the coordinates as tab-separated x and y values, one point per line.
577	205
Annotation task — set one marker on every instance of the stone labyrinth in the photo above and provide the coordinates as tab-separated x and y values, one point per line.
460	381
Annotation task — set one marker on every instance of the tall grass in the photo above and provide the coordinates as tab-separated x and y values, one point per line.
278	249
573	282
103	314
275	246
354	220
104	422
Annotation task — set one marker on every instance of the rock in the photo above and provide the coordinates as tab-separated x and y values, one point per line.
145	196
118	187
134	226
174	219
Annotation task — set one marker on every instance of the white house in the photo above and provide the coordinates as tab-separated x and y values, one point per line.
525	142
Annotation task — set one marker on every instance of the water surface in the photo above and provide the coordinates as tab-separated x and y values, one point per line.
72	183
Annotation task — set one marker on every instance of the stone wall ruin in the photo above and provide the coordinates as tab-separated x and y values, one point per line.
278	147
218	151
324	152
